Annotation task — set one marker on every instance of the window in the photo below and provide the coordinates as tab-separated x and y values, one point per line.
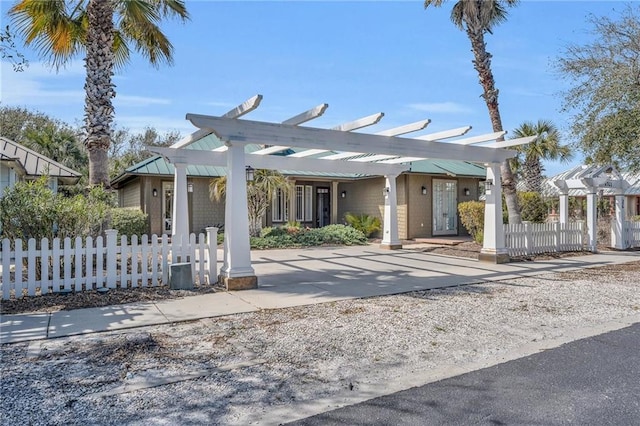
304	207
279	207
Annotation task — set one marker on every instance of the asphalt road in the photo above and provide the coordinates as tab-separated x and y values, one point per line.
594	381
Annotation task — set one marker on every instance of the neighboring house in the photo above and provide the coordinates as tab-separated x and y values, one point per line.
428	195
18	163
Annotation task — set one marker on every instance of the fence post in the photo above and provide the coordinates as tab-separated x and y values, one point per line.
558	237
528	238
212	264
112	257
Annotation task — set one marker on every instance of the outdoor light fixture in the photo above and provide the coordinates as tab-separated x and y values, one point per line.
250	174
343	194
424	190
190	187
488	184
385	191
467	192
154	192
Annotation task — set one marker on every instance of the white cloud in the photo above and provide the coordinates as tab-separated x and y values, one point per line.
139	101
441	108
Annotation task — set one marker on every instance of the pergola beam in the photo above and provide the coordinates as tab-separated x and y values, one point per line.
242	109
445	134
275	162
311	114
369	120
512	142
247	131
480	138
407	128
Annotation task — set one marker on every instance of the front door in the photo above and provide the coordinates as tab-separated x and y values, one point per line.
323	207
445	207
167	207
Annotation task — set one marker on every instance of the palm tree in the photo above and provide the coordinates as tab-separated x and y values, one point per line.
546	147
59	143
60	30
478	17
260	193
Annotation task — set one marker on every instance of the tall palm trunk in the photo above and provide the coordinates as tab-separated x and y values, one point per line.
532	174
482	64
99	89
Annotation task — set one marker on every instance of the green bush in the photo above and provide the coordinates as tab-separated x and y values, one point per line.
472	218
286	237
31	210
363	222
129	221
532	207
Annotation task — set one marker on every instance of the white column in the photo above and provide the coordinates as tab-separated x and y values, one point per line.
592	220
237	272
564	207
493	248
618	236
180	214
390	238
334	202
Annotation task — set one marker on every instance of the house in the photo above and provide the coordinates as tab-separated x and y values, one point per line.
18	163
428	194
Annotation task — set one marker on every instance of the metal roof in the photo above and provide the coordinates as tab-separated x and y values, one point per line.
34	164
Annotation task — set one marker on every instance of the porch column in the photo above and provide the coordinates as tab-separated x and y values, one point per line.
390	230
493	248
618	234
334	202
592	220
180	213
236	272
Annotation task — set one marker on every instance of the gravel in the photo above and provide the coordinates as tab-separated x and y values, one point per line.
238	368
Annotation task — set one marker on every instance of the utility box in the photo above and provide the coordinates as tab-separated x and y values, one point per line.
180	277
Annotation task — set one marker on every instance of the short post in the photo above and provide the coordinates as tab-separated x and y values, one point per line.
212	264
558	236
619	238
528	238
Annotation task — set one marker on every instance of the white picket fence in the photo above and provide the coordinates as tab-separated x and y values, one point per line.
632	233
534	238
88	264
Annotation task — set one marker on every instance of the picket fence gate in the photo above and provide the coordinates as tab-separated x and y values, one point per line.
90	264
534	238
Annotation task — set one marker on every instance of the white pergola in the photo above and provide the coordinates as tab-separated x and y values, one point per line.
590	179
335	150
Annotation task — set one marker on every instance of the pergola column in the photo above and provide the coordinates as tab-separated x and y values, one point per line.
236	272
592	220
618	237
334	201
390	238
180	213
564	207
493	248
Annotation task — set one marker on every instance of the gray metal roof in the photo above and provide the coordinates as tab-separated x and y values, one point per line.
34	164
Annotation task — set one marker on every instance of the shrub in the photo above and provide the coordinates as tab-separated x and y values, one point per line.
31	210
532	207
472	218
363	222
300	237
129	221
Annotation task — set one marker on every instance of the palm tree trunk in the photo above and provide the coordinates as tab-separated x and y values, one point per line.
98	110
482	64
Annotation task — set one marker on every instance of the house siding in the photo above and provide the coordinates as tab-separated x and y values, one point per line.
130	196
203	211
420	206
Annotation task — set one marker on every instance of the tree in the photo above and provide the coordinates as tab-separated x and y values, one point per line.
604	97
60	30
127	149
9	52
476	18
16	122
546	147
260	193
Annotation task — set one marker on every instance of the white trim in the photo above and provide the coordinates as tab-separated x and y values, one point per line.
445	134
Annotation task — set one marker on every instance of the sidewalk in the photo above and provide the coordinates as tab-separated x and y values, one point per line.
299	277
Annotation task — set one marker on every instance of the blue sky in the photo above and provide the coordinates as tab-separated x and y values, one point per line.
359	57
